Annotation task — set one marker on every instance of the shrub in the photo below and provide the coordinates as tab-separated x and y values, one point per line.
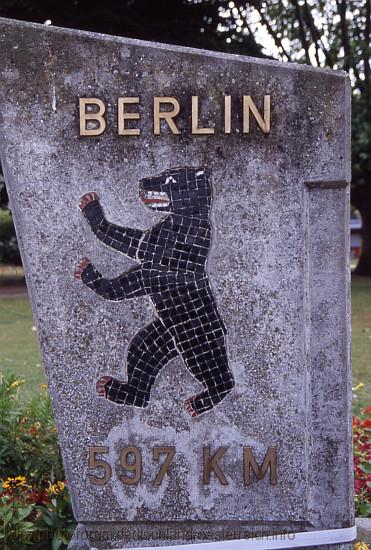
34	517
28	437
35	508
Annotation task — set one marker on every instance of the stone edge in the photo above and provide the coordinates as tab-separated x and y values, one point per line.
173	47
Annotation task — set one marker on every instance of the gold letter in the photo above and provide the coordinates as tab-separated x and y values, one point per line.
248	104
195	128
213	464
98	116
122	116
166	115
227	114
270	460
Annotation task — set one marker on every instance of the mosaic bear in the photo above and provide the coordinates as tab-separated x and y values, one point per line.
172	259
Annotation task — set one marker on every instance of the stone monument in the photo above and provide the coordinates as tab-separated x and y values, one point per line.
183	222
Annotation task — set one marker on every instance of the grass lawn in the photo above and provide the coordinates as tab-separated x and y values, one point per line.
361	340
19	348
19	351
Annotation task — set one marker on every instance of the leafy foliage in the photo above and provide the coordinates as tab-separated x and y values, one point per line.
26	523
35	507
56	520
28	437
15	530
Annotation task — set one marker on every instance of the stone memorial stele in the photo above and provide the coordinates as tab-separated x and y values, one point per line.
183	222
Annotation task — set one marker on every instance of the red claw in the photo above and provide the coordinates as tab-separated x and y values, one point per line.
80	267
87	198
189	407
100	385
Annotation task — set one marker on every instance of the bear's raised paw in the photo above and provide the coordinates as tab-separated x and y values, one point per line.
101	385
87	198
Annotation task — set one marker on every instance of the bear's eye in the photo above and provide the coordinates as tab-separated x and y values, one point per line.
170	179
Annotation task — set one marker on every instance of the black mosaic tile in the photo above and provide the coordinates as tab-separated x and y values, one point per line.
172	272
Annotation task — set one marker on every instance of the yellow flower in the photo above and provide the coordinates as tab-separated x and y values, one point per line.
56	488
361	546
43	387
356	388
16	383
13	482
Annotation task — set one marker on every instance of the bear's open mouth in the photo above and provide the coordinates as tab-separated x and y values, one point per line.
155	199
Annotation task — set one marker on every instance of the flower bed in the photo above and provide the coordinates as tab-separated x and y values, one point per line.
35	508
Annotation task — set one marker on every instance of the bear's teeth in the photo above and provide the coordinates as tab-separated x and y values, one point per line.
156	199
159	204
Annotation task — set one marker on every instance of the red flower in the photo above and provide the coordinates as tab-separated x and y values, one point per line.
38	497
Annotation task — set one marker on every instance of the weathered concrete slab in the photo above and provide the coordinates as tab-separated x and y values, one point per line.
264	204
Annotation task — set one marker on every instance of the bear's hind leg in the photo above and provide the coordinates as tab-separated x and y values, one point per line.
205	401
119	392
149	351
215	375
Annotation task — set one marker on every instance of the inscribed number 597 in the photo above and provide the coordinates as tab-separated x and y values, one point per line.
130	462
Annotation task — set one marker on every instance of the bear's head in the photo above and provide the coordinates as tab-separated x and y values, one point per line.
184	191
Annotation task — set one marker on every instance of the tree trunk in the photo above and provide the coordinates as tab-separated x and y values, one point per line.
361	199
